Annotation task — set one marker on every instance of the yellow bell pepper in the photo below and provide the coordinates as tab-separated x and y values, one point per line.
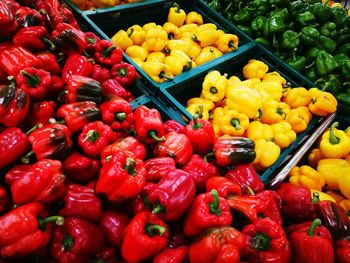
296	97
122	40
138	61
258	130
218	114
207	104
255	69
344	184
245	100
150	25
194	49
335	143
178	45
322	196
307	177
345	204
172	30
337	196
347	131
207	54
250	83
203	113
185	60
299	118
136	34
270	90
322	103
234	123
103	3
194	17
220	34
205	36
159	72
189	28
275	77
174	65
156	57
214	86
333	171
267	153
274	111
137	52
176	15
314	157
336	5
156	39
233	80
347	158
178	62
227	43
283	135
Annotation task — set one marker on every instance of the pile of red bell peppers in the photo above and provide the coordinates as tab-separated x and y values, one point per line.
87	179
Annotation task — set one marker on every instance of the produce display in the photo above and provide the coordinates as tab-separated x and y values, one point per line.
310	36
93	4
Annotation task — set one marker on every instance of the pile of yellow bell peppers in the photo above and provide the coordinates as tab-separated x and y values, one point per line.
182	43
263	107
328	169
93	4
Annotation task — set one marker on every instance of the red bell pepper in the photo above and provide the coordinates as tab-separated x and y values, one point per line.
37	184
117	113
83	89
309	247
51	141
220	244
113	225
266	242
80	168
148	125
5	45
81	201
76	64
23	231
140	202
320	231
245	175
27	17
231	150
8	23
56	87
48	62
108	53
13	5
342	250
201	171
172	195
41	112
107	255
13	144
112	86
201	134
14	59
223	185
297	204
172	125
78	114
4	200
100	74
254	207
208	210
94	137
175	255
34	81
33	38
16	172
76	241
122	177
69	39
91	40
145	236
127	143
124	73
158	167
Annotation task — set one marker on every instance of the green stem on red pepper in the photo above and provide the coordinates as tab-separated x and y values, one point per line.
214	206
130	166
317	222
261	242
120	116
153	230
107	52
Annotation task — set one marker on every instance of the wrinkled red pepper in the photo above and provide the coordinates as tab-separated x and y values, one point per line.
8	23
100	74
124	73
158	167
113	225
342	250
16	172
69	39
33	38
76	64
41	112
223	185
172	125
112	86
48	62
91	40
27	17
171	255
108	53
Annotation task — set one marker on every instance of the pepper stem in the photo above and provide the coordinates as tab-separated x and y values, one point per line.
91	40
36	126
236	123
26	158
67	243
159	208
122	72
153	135
162	75
120	116
213	90
59	220
153	230
47	41
92	136
177	7
249	190
196	125
131	31
188	66
107	52
261	242
315	198
171	36
215	205
317	222
232	44
130	166
200	111
281	112
32	80
333	139
209	156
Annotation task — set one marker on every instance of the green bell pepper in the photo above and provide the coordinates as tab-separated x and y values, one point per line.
327	44
328	29
341	58
340	17
215	5
297	62
289	40
306	19
345	48
321	11
343	35
273	25
345	71
281	12
297	7
260	7
325	64
312	54
343	98
309	35
277	3
263	41
330	84
311	74
258	25
243	16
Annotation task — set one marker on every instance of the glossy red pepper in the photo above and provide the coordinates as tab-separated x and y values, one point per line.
48	62
113	225
76	64
13	144
223	185
342	250
56	87
23	231
91	40
117	113
122	177
112	86
108	53
171	255
69	39
201	171
81	88
12	4
4	200
175	145
124	73
41	112
16	172
80	168
8	23
140	202
27	17
245	175
94	137
158	167
100	74
78	114
266	242
172	125
33	38
219	244
76	241
37	184
81	202
145	236
172	195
